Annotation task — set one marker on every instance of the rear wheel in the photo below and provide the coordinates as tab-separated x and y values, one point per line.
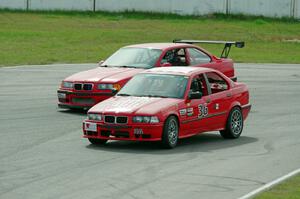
170	133
234	124
97	141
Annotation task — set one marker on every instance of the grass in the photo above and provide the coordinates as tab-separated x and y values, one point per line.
78	37
289	189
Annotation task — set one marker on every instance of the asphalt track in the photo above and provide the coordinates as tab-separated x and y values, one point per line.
42	154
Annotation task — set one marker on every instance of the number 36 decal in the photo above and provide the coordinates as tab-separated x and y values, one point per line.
203	110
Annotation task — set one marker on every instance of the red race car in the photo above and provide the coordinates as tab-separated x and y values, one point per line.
168	103
87	88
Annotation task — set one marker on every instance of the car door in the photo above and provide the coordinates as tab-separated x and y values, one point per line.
196	110
219	100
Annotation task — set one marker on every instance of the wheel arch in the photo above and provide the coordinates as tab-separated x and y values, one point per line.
176	116
234	104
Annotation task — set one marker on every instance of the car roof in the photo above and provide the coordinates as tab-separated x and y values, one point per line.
160	46
178	70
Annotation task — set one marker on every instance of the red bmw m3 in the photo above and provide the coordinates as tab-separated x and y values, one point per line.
169	103
87	88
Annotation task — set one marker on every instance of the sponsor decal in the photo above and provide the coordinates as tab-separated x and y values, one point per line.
90	126
182	112
190	111
138	131
203	110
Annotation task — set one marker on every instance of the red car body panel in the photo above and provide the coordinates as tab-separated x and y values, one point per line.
104	74
86	99
219	106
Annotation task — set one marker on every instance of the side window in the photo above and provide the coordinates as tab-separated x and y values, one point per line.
176	57
216	82
199	84
198	57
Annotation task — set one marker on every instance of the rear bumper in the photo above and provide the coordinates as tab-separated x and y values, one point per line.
81	100
245	110
130	132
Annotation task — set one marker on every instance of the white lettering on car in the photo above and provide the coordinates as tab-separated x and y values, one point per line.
138	131
203	110
182	112
190	111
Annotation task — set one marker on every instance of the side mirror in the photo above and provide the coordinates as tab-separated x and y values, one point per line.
100	63
195	95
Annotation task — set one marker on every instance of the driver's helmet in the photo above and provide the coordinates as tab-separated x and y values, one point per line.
169	56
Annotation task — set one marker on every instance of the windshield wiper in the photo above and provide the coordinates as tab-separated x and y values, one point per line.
123	94
153	96
106	66
128	66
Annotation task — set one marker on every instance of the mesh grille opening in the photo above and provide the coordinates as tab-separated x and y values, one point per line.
78	86
122	120
110	119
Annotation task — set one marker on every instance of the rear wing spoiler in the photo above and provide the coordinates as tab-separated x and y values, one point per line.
226	49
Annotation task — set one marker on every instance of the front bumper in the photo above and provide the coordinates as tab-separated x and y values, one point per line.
71	99
131	132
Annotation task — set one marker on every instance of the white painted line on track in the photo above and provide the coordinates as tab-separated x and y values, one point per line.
270	184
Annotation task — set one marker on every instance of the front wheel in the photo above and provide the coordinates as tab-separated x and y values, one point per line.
170	133
97	141
234	124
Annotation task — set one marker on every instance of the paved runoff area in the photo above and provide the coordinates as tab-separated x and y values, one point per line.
42	154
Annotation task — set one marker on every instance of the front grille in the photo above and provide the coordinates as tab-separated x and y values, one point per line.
85	87
117	119
78	86
109	119
121	120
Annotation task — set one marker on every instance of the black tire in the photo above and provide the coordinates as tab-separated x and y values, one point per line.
97	141
234	124
170	133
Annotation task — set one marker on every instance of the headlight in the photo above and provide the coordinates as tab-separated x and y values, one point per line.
154	119
116	87
93	116
67	84
145	119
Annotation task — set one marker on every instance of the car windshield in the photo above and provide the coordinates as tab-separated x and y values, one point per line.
133	57
155	85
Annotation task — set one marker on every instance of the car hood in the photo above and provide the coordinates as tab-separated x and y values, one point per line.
134	105
104	74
